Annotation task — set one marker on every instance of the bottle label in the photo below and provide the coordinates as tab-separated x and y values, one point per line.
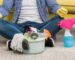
68	41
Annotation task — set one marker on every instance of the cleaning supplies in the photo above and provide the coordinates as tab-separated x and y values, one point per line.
33	32
36	41
68	39
67	23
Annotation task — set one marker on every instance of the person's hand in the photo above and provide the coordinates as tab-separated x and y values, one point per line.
1	15
62	12
1	2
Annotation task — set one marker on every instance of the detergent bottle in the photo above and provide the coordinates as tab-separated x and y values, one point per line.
68	39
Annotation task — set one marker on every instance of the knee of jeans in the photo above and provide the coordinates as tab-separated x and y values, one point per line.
1	20
59	18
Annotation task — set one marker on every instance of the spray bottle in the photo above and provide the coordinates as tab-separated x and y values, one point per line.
68	39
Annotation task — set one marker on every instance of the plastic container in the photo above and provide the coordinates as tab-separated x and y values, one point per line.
36	46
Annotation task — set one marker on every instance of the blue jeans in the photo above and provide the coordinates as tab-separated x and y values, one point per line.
8	30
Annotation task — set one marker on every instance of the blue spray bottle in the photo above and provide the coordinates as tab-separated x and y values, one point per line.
68	39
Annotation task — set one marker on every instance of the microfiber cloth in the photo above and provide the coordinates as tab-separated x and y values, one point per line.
67	23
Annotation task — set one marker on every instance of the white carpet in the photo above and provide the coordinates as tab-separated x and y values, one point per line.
59	52
56	53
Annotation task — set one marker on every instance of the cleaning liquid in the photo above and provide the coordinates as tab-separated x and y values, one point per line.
68	39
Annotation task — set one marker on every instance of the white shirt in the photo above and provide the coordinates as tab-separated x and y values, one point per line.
29	12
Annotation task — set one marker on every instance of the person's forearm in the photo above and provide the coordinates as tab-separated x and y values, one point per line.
53	5
5	7
3	12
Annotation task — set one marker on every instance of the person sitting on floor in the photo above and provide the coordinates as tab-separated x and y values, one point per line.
32	12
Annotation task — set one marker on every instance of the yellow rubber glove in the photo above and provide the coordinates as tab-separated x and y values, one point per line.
1	2
1	15
62	12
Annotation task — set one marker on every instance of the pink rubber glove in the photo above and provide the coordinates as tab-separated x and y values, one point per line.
67	23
